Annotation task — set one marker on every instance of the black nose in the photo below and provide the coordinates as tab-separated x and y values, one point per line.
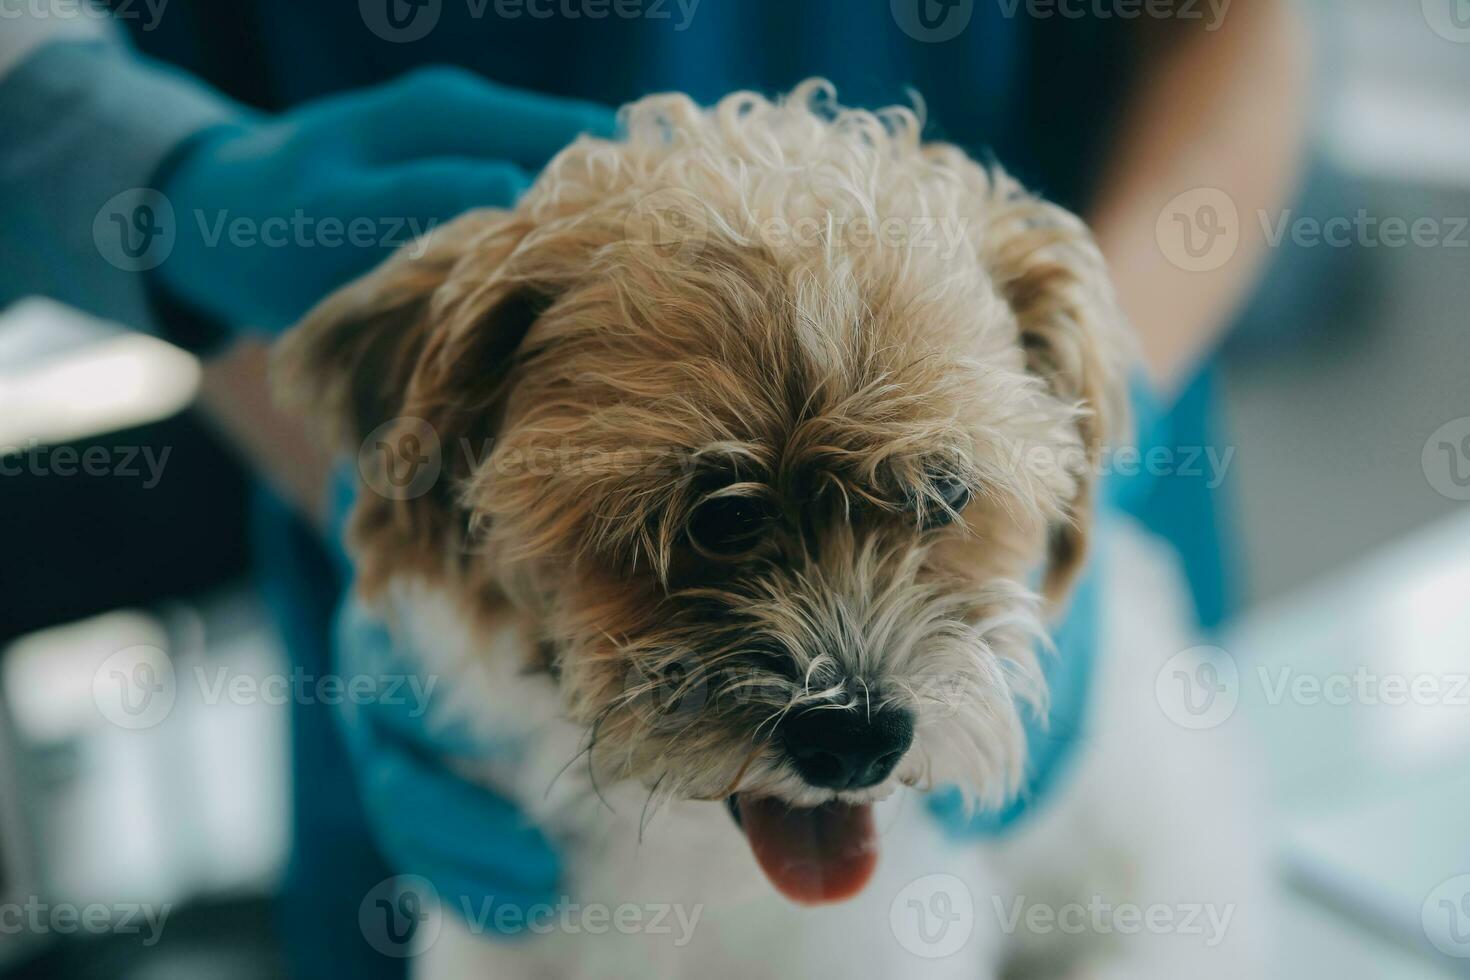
847	748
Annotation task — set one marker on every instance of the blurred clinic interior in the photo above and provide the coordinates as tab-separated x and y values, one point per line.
1282	188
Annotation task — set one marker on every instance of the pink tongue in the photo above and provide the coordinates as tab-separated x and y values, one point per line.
825	854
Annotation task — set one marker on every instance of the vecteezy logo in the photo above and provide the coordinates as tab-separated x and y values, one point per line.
674	221
399	916
1198	688
1450	19
1446	917
135	688
401	459
145	223
933	916
135	230
400	21
668	697
932	21
1446	459
1199	231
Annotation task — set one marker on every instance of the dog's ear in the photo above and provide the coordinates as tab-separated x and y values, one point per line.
402	370
346	366
1049	270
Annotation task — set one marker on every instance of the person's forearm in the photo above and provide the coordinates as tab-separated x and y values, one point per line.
1214	110
235	397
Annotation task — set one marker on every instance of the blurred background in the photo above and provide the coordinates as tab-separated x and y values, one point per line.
1346	387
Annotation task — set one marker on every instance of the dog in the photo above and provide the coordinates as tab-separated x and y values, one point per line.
764	448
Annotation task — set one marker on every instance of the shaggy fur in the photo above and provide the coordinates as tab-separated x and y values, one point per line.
650	325
791	303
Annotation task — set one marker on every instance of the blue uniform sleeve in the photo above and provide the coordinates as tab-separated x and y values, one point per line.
87	123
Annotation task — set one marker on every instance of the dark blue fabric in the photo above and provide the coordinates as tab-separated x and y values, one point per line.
1039	95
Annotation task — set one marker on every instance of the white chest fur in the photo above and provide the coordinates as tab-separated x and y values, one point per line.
672	892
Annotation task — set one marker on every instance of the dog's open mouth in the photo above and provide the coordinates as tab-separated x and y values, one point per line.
812	856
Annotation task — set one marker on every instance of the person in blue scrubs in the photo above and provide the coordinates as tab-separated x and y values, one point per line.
266	108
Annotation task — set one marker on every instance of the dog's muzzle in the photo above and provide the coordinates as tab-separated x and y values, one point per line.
827	853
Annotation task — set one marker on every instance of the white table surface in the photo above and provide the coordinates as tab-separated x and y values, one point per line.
1404	613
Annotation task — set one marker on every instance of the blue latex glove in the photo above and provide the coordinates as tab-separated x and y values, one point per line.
1052	742
476	847
273	214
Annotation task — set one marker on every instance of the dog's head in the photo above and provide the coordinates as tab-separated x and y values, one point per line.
779	427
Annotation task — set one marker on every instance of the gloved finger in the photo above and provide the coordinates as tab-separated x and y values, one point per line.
376	213
403	713
434	822
451	112
416	197
413	724
498	911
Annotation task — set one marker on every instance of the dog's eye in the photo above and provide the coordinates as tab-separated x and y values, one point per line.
954	492
728	525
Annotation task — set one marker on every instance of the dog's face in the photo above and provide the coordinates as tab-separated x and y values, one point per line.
775	424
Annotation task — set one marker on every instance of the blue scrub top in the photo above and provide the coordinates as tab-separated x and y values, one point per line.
1038	94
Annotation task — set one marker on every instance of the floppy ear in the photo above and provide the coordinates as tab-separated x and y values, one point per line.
346	366
1051	273
402	370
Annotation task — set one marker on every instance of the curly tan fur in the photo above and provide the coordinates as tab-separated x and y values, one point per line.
696	309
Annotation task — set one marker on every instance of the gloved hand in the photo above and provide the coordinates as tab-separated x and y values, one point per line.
475	847
273	214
